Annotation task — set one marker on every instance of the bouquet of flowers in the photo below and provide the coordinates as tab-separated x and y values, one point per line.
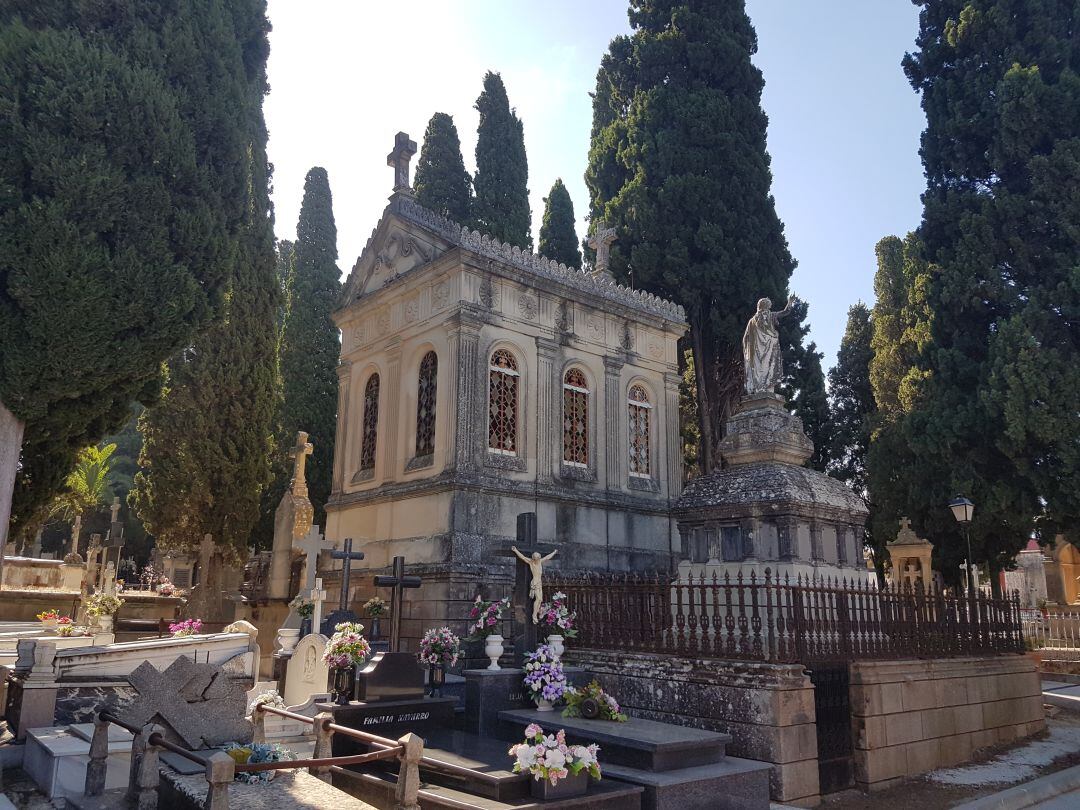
486	617
439	646
556	618
188	627
166	588
347	647
304	609
48	616
547	756
544	676
375	606
592	702
103	604
267	698
257	752
65	627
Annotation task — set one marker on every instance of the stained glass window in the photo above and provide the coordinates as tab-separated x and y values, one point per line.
503	403
425	405
575	418
371	423
639	409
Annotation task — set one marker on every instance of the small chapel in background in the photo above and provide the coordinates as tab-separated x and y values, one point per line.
479	381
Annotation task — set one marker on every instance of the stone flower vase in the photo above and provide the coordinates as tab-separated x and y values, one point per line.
288	638
105	622
556	643
544	705
493	648
575	784
49	625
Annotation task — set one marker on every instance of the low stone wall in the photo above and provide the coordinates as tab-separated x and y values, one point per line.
912	716
24	605
24	573
768	709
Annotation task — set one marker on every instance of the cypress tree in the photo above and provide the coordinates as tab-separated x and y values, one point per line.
558	239
207	445
125	226
501	207
678	166
851	400
996	411
309	340
803	385
442	183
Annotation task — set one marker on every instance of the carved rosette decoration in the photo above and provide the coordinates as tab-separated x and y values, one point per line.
527	306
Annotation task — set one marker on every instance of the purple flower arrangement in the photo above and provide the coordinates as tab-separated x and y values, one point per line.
188	627
556	618
544	676
547	756
347	647
485	617
439	646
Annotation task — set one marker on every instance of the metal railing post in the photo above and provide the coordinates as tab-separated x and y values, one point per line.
324	743
220	772
408	781
97	767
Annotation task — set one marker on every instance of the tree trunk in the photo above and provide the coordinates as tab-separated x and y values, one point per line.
702	373
11	435
719	387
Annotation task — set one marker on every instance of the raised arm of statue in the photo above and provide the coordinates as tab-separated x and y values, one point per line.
519	555
787	309
549	556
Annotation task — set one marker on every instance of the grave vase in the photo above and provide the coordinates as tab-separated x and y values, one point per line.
374	628
436	680
493	648
305	626
288	637
105	622
343	681
556	643
49	625
543	705
575	784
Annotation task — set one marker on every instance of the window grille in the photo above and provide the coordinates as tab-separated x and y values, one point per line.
503	403
575	418
425	405
371	424
639	409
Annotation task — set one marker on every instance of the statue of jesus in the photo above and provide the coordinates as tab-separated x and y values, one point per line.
536	583
761	348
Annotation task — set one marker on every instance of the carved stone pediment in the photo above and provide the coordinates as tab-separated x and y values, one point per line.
394	249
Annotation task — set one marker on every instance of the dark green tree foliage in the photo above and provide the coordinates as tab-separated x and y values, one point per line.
442	183
851	400
206	450
112	239
558	239
678	166
309	340
1001	153
804	383
501	207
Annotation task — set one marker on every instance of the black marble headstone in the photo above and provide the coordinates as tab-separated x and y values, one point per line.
390	676
388	718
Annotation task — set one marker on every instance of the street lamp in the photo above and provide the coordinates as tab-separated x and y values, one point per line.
962	510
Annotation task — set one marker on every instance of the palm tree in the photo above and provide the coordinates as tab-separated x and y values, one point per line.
85	486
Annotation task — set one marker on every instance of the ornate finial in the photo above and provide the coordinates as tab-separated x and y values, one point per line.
399	159
601	241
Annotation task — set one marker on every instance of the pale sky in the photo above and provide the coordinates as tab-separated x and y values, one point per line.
843	122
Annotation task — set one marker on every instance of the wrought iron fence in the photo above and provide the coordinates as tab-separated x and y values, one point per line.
784	620
1055	633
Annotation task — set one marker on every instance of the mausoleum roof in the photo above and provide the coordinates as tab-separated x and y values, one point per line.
769	483
405	207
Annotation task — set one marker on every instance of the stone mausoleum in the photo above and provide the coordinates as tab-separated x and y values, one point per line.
479	381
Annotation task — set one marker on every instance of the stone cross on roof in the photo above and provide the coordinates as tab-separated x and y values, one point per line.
601	241
299	454
399	158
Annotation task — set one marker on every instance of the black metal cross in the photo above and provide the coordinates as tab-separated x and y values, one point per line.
520	603
348	555
399	582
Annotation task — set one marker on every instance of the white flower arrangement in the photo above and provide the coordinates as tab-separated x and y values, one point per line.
547	756
267	698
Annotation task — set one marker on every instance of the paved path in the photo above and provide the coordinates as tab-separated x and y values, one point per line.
1064	695
1068	801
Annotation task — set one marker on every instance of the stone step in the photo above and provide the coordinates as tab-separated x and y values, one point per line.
109	800
643	744
488	758
731	784
377	788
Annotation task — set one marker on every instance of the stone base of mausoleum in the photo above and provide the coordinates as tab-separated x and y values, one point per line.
768	709
913	716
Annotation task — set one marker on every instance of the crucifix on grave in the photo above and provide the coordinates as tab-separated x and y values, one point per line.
342	614
398	582
521	603
399	159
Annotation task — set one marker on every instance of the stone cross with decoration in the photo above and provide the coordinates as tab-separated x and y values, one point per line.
601	241
399	159
311	545
299	454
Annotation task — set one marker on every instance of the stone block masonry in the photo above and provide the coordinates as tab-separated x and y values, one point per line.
768	709
913	716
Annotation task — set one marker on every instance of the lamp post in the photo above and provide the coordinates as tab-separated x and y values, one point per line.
962	510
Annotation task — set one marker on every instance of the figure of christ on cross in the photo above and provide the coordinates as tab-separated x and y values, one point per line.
536	582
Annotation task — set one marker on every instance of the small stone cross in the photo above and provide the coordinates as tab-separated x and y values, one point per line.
299	454
311	544
76	530
398	581
905	524
601	241
318	596
399	158
348	555
115	509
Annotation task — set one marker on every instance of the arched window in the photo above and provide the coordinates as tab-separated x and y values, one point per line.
637	400
425	405
503	403
370	432
575	435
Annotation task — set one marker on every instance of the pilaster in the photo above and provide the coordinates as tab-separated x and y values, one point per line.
817	554
613	447
748	530
673	441
547	409
787	527
392	416
469	426
344	375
